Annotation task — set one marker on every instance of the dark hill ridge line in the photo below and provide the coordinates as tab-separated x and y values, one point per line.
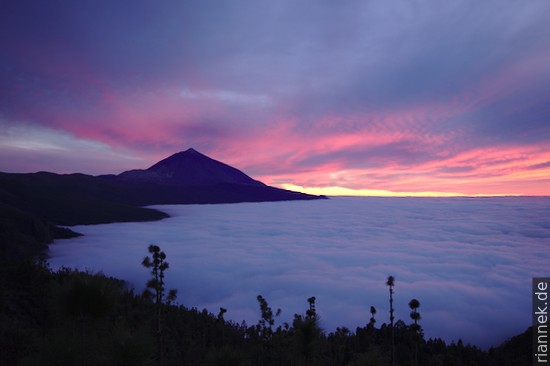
187	177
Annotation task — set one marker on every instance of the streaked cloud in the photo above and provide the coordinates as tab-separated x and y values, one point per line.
26	148
227	96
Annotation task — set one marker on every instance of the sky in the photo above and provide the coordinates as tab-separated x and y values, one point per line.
357	97
469	261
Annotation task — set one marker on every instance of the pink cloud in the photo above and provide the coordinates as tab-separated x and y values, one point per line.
407	148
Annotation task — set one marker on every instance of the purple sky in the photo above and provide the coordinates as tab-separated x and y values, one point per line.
437	97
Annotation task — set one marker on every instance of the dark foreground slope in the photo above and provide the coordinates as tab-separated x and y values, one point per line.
74	318
31	205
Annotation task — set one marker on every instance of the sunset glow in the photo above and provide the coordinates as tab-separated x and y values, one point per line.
340	191
355	99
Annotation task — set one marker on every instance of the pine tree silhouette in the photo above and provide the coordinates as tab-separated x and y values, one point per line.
391	282
157	263
414	304
372	312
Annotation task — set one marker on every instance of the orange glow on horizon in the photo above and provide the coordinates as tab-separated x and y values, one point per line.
341	191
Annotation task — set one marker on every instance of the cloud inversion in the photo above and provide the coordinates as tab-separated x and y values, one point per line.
468	260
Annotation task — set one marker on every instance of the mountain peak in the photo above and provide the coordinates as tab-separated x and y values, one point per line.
185	154
189	151
191	168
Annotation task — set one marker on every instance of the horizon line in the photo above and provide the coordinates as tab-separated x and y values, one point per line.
336	191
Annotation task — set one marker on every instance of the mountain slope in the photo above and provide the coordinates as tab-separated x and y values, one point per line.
191	177
187	177
32	204
190	168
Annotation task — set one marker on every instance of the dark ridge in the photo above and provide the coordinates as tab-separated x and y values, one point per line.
32	205
68	317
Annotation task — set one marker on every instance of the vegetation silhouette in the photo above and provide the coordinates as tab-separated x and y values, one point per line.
372	321
414	304
70	317
158	265
307	334
391	283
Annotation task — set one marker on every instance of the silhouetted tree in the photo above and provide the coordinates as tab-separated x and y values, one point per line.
264	329
265	326
220	314
307	334
391	282
311	313
372	312
157	263
221	320
414	304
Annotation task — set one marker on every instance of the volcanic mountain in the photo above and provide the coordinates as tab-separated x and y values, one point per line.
190	168
31	205
191	177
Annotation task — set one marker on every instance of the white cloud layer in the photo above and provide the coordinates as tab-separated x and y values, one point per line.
469	261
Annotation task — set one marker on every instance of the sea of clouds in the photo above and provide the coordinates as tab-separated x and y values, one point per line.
469	261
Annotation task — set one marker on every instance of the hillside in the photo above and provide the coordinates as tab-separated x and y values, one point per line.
188	177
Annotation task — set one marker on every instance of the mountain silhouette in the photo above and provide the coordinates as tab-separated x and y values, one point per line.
190	168
187	177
